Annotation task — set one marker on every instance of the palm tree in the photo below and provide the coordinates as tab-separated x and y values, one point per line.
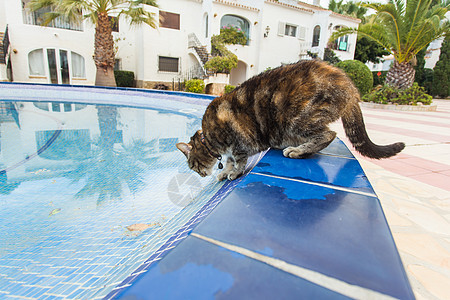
350	8
403	29
98	12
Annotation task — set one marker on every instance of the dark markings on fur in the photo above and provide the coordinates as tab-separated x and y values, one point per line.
290	106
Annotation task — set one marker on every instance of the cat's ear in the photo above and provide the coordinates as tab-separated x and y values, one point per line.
185	148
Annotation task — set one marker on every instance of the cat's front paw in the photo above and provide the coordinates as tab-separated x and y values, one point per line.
222	176
228	175
234	175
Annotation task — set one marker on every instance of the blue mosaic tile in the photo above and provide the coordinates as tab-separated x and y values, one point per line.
219	273
340	234
66	237
338	171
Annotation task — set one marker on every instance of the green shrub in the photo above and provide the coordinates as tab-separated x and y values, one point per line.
222	64
359	73
232	35
229	88
124	78
379	77
427	82
330	57
224	60
392	95
195	86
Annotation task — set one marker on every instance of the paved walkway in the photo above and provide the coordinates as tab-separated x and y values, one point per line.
414	189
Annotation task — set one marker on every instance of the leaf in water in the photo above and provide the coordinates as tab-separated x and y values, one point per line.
54	212
141	226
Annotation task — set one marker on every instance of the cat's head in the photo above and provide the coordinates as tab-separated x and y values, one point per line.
198	156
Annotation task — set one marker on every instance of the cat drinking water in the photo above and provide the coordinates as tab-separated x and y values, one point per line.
287	108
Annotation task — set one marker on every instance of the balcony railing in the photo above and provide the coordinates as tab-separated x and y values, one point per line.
38	17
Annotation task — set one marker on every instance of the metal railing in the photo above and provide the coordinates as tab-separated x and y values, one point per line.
193	41
5	46
38	17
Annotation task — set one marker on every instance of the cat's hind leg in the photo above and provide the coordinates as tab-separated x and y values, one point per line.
314	144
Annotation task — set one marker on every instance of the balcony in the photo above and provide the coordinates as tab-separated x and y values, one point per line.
38	17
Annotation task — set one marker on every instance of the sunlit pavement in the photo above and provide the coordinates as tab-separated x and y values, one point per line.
414	190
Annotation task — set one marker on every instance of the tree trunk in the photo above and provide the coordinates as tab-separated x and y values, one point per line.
401	75
104	51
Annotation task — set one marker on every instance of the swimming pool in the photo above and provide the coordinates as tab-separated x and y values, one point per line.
97	203
92	185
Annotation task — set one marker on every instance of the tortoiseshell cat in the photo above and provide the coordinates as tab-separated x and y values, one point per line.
287	108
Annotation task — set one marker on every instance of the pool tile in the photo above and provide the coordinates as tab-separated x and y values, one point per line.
200	270
337	148
339	234
339	171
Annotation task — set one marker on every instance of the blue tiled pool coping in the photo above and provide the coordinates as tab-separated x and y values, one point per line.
311	228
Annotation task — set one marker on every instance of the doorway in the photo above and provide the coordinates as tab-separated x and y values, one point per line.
58	66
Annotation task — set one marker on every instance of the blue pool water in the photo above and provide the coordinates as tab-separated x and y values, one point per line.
91	185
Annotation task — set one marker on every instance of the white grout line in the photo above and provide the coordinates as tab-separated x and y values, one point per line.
330	186
335	155
333	284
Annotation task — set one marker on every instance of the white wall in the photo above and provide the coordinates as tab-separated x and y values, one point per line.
139	47
276	49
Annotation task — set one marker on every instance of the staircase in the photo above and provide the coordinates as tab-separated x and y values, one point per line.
2	54
4	46
202	53
200	50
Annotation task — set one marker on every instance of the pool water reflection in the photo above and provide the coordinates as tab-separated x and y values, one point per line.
75	179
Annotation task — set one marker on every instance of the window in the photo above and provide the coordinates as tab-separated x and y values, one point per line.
169	20
57	64
341	43
117	64
66	144
114	23
40	105
316	36
285	29
78	69
236	21
206	25
56	107
36	62
168	64
67	107
290	30
38	17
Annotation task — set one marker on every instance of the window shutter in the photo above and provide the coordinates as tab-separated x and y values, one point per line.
301	33
281	28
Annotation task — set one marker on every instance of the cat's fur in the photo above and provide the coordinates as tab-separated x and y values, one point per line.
286	108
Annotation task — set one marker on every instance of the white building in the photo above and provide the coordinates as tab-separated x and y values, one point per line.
279	32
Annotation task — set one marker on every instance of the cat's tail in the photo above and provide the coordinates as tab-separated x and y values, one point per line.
356	133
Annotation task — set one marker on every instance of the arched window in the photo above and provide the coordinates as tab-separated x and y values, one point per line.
36	62
236	21
78	69
59	65
205	19
316	36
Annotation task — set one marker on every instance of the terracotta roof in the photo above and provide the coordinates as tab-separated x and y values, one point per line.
236	4
346	17
289	5
312	6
